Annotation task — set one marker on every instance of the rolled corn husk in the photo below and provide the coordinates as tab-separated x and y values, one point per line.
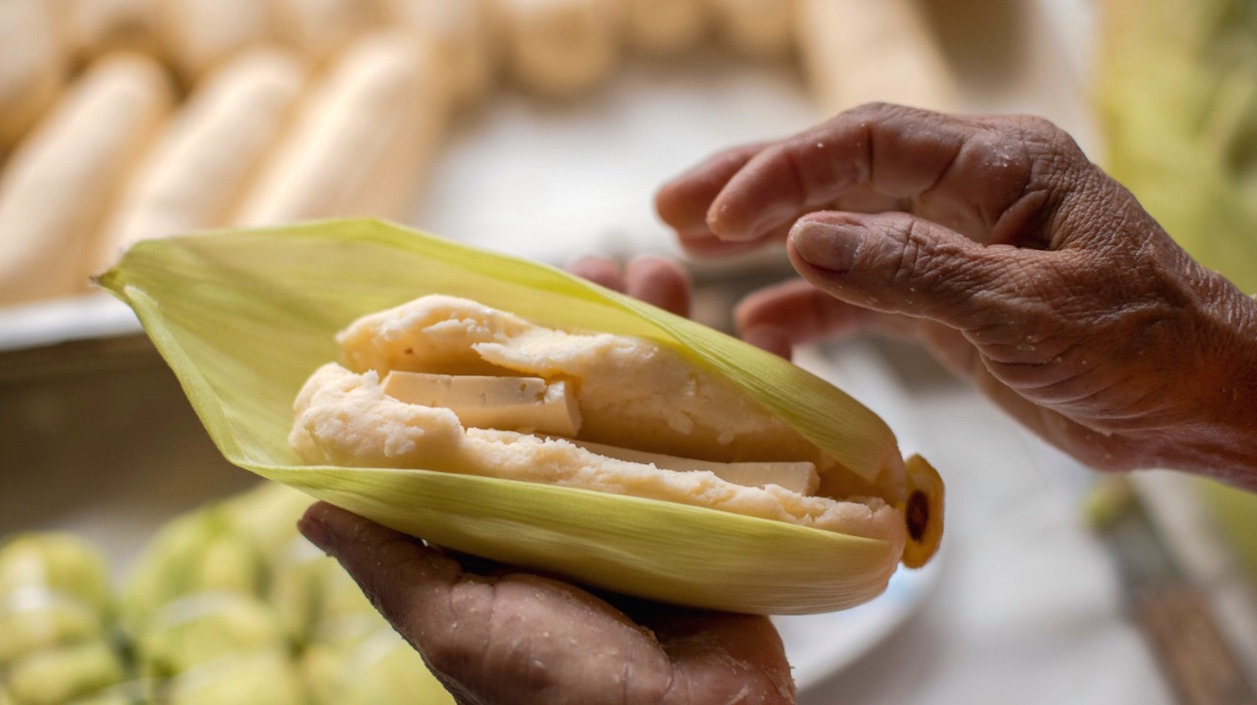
32	66
267	517
200	35
54	590
761	29
55	676
59	561
244	317
362	140
202	163
125	693
202	627
463	36
202	552
267	676
36	618
665	27
58	186
857	52
91	28
379	668
320	29
560	48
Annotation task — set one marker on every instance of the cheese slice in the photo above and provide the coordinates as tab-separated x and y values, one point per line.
530	404
527	404
797	476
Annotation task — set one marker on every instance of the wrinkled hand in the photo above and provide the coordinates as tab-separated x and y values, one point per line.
502	637
1018	262
508	637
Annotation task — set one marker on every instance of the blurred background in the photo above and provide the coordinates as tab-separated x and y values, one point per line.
139	567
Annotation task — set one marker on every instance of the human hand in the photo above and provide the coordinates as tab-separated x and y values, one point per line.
499	636
1017	261
503	637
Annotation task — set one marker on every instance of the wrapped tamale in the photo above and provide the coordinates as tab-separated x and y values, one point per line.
245	317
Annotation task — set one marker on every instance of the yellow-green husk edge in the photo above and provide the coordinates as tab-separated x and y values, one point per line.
244	316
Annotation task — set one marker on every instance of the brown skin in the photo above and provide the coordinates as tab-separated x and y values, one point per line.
993	241
1018	262
500	637
507	637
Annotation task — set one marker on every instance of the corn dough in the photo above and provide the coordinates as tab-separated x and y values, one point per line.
631	392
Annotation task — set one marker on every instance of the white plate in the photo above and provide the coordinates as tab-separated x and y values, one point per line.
821	645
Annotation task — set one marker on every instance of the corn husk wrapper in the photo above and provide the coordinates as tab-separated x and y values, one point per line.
196	553
243	317
262	677
378	669
60	561
54	676
200	628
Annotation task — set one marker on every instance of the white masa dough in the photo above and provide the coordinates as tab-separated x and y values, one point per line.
632	393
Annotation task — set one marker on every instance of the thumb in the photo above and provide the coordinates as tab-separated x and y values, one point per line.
898	263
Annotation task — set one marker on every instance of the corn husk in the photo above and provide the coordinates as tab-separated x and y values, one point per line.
32	619
243	317
263	677
378	669
53	676
59	561
195	553
200	628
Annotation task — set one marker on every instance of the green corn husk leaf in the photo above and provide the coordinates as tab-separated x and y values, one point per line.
316	599
244	317
262	677
378	669
127	693
267	515
1177	94
203	551
38	618
54	676
59	561
203	627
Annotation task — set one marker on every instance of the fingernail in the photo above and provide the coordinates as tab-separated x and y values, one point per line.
830	246
317	533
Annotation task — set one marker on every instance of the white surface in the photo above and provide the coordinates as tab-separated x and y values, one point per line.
549	181
818	646
77	318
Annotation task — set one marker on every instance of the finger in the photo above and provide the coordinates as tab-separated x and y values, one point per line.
706	245
1093	448
403	578
968	170
600	270
896	263
806	314
660	282
702	645
858	199
682	202
511	638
